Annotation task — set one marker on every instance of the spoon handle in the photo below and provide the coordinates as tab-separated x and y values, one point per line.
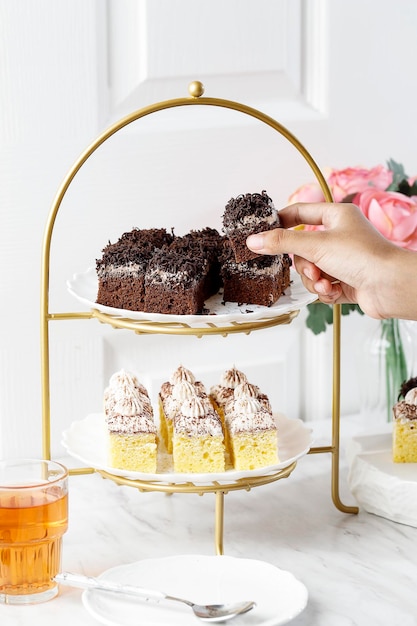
89	582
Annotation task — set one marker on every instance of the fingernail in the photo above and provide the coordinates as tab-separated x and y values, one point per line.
320	289
255	242
308	273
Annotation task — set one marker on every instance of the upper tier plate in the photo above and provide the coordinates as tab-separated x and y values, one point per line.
84	287
86	440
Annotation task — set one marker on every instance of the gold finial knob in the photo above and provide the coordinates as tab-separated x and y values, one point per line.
196	89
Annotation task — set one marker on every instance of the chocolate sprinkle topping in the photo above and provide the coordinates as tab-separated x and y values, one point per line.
176	264
135	246
406	386
239	208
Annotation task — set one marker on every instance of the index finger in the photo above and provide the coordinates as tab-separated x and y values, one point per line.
302	213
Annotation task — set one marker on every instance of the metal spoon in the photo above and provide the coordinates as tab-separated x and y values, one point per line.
207	613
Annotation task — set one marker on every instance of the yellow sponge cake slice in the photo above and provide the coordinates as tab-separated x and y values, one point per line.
131	429
404	443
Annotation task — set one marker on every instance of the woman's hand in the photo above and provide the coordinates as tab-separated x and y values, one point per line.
348	261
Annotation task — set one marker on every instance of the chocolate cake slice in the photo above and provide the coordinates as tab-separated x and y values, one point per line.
122	267
210	243
175	280
245	215
257	281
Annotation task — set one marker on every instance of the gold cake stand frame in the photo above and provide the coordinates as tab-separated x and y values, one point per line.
196	91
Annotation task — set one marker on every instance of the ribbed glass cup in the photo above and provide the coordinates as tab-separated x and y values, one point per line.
33	520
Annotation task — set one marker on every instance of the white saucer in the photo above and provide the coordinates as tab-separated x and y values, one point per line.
279	596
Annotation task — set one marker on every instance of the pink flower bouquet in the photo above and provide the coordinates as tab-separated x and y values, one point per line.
385	195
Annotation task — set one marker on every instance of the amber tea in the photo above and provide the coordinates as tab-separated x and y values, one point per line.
33	519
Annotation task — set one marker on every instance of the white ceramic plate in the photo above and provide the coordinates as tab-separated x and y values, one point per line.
84	286
279	596
86	440
379	485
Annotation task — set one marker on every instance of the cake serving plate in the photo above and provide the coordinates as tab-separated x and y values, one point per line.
279	596
84	286
86	440
381	486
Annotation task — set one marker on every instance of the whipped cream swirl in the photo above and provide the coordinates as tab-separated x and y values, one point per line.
183	390
181	374
411	396
232	378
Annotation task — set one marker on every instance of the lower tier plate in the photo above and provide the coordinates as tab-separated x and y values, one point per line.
279	596
86	440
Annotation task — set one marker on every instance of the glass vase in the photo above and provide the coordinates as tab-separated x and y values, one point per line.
388	360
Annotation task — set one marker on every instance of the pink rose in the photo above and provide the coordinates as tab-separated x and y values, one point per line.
392	213
356	179
343	183
311	192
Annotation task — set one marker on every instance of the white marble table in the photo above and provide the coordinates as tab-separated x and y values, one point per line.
360	570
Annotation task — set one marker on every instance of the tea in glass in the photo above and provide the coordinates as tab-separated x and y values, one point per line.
33	519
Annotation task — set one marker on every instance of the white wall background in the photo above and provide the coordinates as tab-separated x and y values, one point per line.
338	74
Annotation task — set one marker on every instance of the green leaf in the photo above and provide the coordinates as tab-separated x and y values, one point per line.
399	174
405	188
396	168
348	308
413	189
321	315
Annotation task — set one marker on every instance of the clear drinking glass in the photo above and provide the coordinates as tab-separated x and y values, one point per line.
33	519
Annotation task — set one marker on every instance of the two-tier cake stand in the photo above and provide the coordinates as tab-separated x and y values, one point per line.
142	326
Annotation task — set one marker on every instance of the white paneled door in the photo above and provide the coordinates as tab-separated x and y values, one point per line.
337	74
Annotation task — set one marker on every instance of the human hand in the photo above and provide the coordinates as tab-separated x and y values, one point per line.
348	261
